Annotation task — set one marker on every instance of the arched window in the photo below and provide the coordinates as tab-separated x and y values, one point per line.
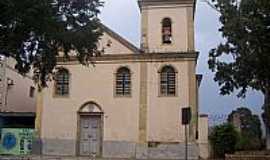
62	82
123	82
168	81
166	31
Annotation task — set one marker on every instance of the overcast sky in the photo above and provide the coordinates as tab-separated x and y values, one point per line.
123	17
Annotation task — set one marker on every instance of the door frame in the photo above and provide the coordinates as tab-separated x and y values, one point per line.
89	114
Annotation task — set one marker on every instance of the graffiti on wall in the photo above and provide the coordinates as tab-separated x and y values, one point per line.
16	141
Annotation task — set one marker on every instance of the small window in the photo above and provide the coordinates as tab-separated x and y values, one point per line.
123	82
32	92
167	81
166	31
62	82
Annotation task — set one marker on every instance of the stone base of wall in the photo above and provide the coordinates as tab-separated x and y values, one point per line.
204	150
113	149
141	151
62	147
36	148
173	151
116	149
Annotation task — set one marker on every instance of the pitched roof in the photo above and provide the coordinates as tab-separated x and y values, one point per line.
120	38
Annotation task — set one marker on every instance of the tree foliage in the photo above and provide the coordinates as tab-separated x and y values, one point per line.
249	126
246	31
34	31
223	139
242	61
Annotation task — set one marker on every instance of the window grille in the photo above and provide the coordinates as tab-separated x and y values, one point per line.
123	82
168	81
62	82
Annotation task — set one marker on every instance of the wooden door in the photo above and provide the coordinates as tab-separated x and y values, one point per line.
90	135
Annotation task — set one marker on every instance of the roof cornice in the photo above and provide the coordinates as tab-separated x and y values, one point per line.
163	2
144	3
142	57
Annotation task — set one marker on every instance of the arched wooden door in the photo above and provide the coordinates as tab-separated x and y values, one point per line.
90	130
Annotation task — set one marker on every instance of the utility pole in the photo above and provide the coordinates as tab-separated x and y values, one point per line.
186	144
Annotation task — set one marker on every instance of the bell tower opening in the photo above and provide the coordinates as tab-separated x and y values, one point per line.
166	31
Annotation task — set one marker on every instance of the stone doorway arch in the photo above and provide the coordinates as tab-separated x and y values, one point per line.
90	108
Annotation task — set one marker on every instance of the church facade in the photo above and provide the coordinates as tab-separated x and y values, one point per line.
128	102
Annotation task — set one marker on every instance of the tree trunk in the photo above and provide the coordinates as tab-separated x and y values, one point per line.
267	116
267	137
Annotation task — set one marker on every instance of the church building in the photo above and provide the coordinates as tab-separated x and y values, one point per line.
128	102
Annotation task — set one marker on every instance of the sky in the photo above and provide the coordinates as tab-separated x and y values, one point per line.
123	16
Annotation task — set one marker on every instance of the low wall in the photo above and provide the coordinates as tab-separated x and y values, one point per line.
247	157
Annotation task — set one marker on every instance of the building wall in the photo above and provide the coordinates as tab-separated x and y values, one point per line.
87	84
112	46
108	45
203	142
121	114
164	113
17	96
152	28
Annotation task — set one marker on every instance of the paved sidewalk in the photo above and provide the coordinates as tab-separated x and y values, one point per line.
33	157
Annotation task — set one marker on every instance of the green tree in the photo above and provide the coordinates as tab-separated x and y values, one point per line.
249	126
242	61
223	139
34	31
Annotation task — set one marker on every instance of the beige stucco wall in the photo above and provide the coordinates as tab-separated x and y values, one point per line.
18	98
203	141
164	113
151	24
107	45
115	46
93	84
121	115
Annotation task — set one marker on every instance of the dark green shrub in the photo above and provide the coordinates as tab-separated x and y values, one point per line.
223	140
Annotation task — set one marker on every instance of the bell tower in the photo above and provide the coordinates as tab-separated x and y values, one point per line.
167	26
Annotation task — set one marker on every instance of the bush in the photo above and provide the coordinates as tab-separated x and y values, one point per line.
249	127
223	140
245	143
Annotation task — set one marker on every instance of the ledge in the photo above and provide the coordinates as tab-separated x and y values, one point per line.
146	57
17	114
162	2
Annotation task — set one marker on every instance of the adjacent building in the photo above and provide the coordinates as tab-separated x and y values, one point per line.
17	97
